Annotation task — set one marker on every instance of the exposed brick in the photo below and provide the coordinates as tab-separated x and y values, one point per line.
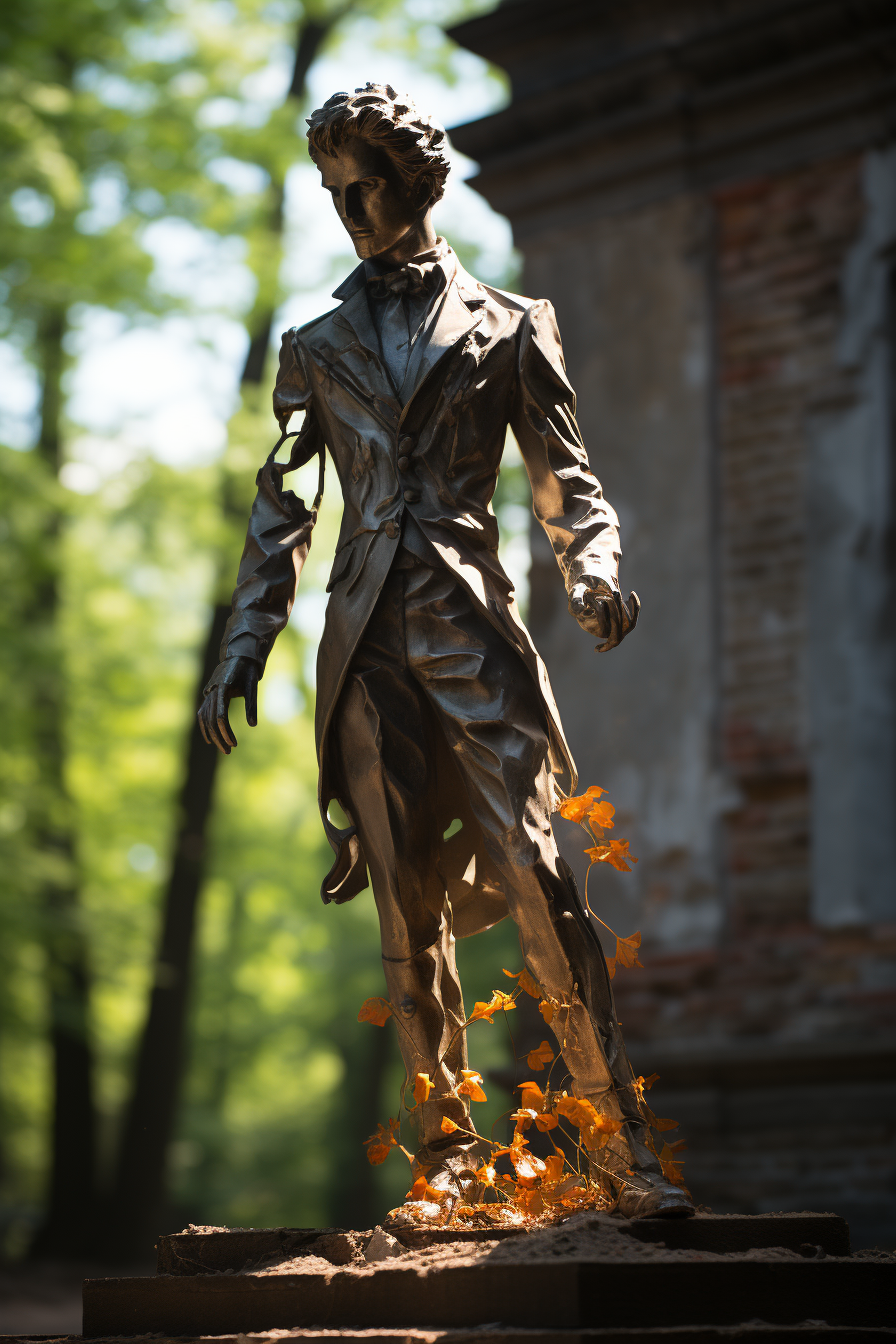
781	246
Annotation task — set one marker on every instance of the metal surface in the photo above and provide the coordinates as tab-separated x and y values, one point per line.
432	702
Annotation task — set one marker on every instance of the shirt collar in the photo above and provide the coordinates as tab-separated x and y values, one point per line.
438	257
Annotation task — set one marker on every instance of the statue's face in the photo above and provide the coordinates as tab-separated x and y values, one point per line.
372	201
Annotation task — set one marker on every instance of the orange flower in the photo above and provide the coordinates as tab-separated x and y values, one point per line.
421	1189
600	818
499	1003
448	1125
595	1128
377	1011
527	1166
553	1167
547	1120
486	1175
523	1117
532	1098
536	1059
423	1085
574	809
471	1086
526	982
379	1144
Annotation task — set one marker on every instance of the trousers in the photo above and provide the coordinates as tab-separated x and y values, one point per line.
434	699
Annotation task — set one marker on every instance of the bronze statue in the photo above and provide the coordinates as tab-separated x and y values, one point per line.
432	703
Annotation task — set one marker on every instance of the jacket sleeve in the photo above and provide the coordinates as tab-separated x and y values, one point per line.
279	532
582	528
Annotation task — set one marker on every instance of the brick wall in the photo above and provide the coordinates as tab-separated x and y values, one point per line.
781	244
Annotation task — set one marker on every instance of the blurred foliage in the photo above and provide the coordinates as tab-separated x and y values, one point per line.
113	117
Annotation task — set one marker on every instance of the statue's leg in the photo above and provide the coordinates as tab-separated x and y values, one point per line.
493	718
383	739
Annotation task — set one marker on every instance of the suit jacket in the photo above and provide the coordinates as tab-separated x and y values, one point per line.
485	359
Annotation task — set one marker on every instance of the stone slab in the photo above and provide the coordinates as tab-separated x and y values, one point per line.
759	1332
559	1296
239	1248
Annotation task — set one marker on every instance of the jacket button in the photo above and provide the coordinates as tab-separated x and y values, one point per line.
406	445
404	463
391	529
412	496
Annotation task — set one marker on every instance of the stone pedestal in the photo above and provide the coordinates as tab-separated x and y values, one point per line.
595	1276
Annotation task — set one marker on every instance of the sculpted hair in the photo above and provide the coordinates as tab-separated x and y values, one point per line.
377	114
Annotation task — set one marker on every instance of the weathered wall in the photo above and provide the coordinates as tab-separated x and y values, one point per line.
702	192
632	299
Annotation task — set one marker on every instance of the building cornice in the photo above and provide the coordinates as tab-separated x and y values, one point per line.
610	106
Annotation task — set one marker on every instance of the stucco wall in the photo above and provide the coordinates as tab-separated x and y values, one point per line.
631	295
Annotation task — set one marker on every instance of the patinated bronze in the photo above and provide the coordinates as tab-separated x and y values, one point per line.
432	703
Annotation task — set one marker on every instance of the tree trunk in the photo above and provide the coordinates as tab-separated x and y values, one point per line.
139	1203
139	1197
71	1206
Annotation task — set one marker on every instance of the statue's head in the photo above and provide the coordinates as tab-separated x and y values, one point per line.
383	162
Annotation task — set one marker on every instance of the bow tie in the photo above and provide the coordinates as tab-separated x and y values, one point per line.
410	280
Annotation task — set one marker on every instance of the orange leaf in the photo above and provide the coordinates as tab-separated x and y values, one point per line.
448	1125
664	1124
611	966
536	1059
526	982
499	1002
620	856
642	1084
471	1086
486	1175
546	1121
377	1011
627	950
379	1144
671	1168
546	1008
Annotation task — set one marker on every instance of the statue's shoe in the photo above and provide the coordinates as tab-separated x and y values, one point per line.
641	1187
647	1194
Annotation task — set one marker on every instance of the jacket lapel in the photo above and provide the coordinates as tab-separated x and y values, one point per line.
362	357
450	321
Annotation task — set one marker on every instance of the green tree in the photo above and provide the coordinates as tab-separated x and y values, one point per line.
114	117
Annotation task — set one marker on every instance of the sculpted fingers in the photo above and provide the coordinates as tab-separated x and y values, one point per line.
252	696
222	721
634	610
615	632
201	716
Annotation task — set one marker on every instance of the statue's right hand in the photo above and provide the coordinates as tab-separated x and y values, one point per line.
235	677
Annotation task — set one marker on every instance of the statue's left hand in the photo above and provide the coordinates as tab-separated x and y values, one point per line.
601	611
235	677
